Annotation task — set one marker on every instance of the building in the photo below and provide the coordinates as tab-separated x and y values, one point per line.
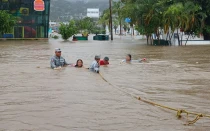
93	12
31	23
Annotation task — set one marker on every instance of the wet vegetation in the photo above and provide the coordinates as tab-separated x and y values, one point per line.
7	21
151	16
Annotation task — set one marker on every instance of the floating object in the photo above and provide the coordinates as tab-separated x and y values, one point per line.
197	62
39	5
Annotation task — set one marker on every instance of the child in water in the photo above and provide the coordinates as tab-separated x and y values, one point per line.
95	65
128	59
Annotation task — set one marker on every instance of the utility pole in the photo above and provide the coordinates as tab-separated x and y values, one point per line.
110	18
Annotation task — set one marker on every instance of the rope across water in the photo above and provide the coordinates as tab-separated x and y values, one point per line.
179	111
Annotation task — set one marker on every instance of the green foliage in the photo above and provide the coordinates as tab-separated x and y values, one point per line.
7	21
99	30
68	30
150	15
104	19
207	28
55	37
86	25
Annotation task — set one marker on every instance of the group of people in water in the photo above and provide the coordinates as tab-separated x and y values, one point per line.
57	61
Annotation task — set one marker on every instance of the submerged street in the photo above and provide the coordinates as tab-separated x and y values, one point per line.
33	97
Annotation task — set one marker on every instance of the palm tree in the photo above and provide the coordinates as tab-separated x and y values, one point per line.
104	19
151	18
117	10
173	19
116	24
196	18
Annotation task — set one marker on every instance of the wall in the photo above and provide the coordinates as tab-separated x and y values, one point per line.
31	23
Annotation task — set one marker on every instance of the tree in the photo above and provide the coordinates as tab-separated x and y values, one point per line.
116	23
173	19
86	25
205	7
7	21
150	18
104	19
117	10
153	16
68	30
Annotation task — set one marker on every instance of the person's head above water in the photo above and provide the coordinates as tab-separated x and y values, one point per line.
97	58
106	60
79	63
128	57
58	52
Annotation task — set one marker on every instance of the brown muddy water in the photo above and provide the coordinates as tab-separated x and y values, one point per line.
34	97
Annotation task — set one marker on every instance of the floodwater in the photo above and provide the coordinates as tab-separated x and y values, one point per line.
34	97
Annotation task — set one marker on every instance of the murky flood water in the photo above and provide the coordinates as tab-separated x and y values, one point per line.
34	97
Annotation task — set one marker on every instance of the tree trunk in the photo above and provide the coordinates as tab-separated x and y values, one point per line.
147	39
133	31
158	35
167	36
150	36
151	40
110	27
187	39
178	37
182	38
120	27
205	33
170	37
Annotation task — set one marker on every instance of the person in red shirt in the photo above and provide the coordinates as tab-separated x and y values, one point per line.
105	61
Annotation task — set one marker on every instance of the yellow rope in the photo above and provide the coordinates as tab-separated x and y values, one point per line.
179	112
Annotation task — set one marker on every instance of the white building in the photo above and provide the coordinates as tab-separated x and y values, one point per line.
52	23
93	12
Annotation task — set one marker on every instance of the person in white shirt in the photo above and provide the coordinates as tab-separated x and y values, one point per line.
95	65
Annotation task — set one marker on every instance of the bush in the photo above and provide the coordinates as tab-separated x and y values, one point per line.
68	30
55	37
99	32
103	32
7	21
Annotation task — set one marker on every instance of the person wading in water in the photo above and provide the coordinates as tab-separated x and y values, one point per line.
57	61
